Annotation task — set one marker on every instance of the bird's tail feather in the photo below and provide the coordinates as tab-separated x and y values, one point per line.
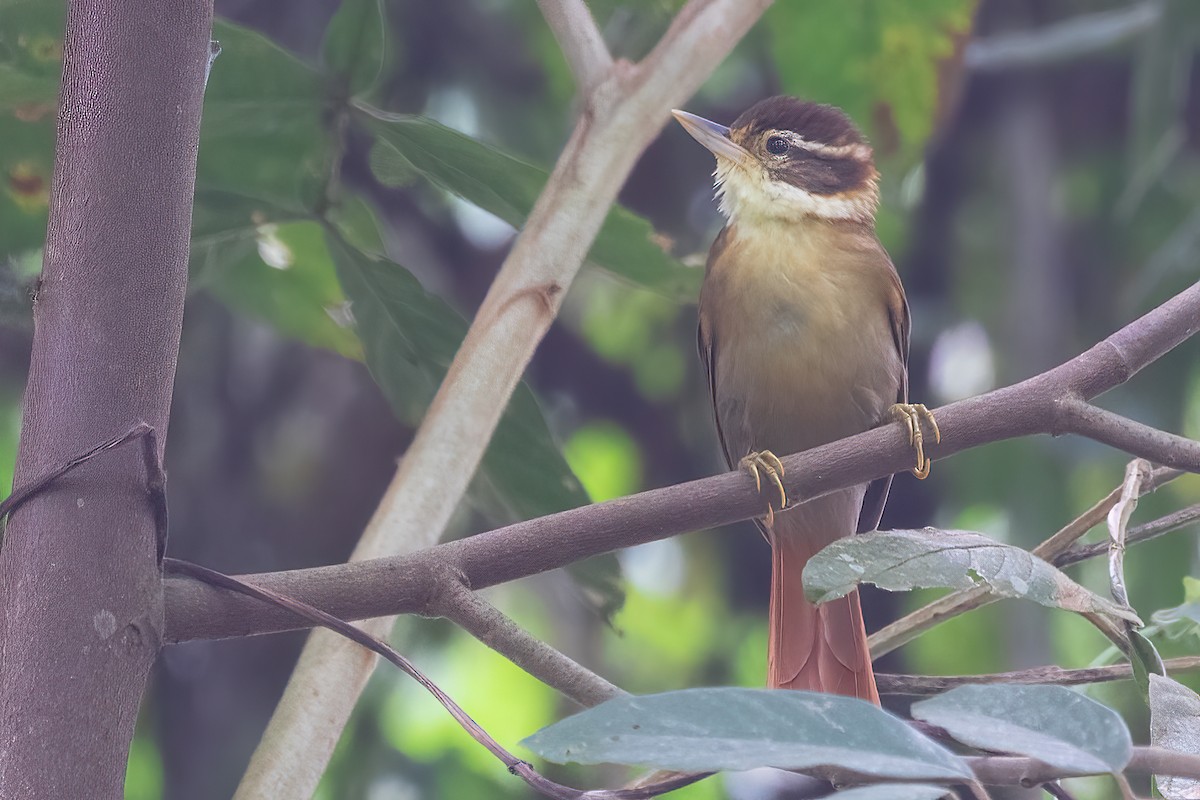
818	648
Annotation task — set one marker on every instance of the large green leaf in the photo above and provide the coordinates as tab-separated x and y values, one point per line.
1175	725
354	46
884	62
507	187
929	558
739	729
262	135
282	274
410	337
1053	724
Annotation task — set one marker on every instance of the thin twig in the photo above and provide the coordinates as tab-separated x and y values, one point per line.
1068	40
516	766
1131	436
26	491
924	685
404	584
1056	790
1057	544
1023	771
1136	535
624	112
489	625
580	41
912	625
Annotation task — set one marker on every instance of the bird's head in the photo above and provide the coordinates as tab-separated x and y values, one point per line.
787	159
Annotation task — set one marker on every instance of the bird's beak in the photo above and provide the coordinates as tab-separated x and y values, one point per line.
715	137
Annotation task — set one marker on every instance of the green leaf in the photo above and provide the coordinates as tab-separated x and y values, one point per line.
282	274
410	337
1053	724
1181	621
740	729
262	135
905	560
508	187
883	62
1144	660
355	44
1175	725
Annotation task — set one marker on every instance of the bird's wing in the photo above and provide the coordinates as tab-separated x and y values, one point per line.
877	492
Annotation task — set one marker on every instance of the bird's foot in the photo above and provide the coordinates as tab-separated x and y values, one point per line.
911	415
764	461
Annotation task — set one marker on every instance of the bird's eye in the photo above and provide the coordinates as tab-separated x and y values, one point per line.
777	145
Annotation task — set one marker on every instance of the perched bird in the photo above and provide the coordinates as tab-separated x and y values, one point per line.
804	331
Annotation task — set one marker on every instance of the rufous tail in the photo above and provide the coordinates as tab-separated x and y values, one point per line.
818	648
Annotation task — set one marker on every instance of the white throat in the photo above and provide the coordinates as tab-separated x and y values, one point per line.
748	194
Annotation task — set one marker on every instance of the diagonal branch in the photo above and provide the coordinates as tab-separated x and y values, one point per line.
405	584
1126	434
912	625
1140	533
580	41
922	685
489	625
625	111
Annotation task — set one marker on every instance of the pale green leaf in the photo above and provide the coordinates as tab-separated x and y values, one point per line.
508	187
905	560
740	729
1053	724
1175	725
355	44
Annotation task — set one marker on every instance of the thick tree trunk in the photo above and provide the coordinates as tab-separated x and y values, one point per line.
79	582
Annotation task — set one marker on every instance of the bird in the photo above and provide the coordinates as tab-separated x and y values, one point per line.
804	336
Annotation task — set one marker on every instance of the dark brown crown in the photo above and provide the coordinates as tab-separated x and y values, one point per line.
817	123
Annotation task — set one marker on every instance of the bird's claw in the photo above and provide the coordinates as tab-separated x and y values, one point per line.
766	461
911	415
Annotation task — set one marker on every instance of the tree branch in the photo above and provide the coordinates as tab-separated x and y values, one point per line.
489	625
405	584
1071	39
624	112
1139	533
1019	771
580	41
912	625
1125	434
923	685
80	602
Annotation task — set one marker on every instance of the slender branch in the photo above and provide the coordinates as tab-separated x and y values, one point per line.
912	625
1125	434
516	766
405	583
1055	790
1051	549
1020	771
623	112
923	685
1071	39
489	625
1137	534
580	41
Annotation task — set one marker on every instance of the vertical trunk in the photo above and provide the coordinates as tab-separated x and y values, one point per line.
79	581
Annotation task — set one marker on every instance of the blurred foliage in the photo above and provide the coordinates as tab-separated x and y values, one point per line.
360	172
887	64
